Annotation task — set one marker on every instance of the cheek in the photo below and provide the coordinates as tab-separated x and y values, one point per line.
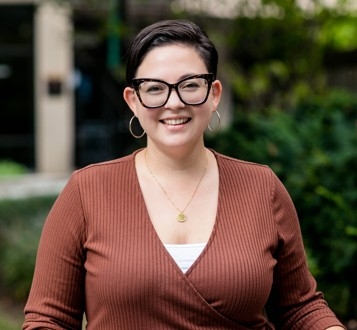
139	110
145	115
205	113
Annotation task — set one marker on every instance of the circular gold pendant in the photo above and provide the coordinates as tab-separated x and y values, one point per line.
181	217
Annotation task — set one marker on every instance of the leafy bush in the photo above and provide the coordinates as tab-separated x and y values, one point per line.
313	151
21	222
6	324
8	167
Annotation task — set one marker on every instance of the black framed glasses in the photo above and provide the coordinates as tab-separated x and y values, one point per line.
154	93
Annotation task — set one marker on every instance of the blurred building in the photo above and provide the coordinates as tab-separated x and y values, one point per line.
60	106
36	89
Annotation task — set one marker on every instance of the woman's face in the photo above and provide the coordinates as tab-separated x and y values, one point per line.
174	124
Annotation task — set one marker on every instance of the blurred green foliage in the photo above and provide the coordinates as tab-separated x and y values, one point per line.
21	221
277	62
8	167
313	151
6	324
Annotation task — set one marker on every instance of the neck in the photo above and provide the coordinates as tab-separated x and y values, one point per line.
176	160
188	162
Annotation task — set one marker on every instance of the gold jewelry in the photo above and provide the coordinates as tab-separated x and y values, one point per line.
131	130
218	125
181	217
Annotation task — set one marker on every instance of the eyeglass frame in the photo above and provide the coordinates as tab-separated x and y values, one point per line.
136	82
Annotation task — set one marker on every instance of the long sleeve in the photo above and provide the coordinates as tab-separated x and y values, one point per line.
295	302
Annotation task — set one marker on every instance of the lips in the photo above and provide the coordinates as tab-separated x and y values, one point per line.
173	122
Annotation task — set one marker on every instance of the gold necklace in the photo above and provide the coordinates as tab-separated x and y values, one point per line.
181	217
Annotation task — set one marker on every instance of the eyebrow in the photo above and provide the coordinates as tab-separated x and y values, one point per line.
187	75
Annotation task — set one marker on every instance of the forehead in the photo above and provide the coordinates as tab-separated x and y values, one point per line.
171	62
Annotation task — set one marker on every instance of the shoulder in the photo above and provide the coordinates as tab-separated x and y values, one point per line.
109	165
113	170
256	177
240	174
230	164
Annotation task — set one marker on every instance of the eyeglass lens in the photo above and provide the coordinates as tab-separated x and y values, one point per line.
192	91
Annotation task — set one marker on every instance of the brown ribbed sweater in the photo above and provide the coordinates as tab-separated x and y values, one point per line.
99	253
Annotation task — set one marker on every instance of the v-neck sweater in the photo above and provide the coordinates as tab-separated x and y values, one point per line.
100	254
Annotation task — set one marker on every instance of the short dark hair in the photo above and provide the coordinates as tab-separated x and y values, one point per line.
170	32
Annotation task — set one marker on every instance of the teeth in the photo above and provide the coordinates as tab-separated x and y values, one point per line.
175	121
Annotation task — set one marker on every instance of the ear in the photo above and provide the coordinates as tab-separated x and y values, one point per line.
130	98
216	93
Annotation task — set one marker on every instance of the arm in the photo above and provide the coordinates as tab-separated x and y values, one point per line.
56	299
294	302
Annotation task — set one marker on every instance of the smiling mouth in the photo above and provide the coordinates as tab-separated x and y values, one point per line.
174	122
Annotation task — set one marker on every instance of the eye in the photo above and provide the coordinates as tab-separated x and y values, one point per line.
152	87
192	84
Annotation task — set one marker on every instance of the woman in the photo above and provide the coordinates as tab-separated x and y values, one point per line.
174	236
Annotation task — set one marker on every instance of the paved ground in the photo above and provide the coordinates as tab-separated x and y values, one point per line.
31	185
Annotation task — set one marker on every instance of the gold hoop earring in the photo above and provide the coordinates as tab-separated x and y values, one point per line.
219	123
131	130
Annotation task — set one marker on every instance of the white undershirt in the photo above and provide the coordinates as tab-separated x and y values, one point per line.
185	254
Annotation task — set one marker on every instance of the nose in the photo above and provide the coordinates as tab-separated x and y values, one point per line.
174	101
